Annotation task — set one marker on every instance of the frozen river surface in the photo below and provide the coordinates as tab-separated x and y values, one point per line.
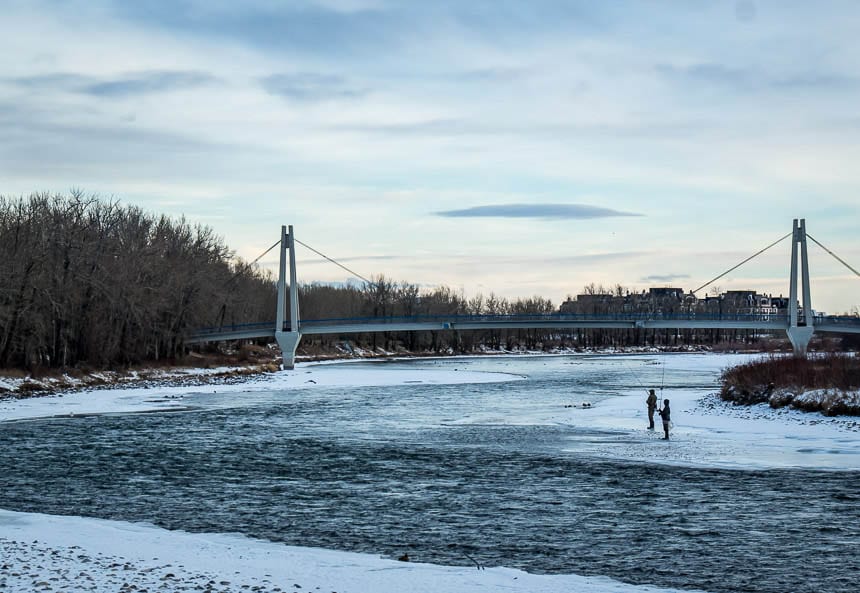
502	472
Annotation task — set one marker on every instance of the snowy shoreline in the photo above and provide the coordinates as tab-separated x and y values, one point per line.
48	553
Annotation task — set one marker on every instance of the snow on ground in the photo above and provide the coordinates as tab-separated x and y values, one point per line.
51	553
171	398
49	384
709	432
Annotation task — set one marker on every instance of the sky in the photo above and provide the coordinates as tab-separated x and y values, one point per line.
515	147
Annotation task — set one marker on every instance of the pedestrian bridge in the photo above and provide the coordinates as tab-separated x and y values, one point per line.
288	331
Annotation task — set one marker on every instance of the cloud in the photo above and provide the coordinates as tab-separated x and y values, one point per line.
349	6
745	11
534	262
132	83
817	81
662	278
456	128
38	144
491	75
710	73
431	127
543	211
56	81
150	82
337	27
483	260
748	79
310	86
353	28
355	258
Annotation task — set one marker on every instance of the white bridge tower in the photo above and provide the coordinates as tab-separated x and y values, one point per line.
288	336
800	328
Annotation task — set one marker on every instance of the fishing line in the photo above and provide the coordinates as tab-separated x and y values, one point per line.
635	376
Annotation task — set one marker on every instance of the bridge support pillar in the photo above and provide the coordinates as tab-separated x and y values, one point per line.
799	336
288	342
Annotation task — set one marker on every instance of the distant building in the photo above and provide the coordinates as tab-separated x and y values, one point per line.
658	301
662	293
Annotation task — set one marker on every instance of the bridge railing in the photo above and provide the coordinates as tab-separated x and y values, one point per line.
546	317
233	328
844	320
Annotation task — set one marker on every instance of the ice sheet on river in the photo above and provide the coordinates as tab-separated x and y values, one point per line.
707	432
167	398
710	432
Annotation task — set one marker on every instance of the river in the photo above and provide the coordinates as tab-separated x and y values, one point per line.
450	474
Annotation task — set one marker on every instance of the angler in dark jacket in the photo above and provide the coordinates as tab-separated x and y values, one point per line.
652	405
665	414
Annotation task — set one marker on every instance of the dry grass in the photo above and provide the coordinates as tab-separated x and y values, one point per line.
825	371
821	383
250	359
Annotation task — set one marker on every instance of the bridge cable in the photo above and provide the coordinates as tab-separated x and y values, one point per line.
709	282
335	262
842	261
248	266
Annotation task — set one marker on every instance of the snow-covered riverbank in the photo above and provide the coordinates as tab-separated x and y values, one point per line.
50	553
170	397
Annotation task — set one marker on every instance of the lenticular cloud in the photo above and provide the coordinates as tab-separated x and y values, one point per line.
546	211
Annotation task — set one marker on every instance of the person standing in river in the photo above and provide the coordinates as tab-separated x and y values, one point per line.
652	405
665	414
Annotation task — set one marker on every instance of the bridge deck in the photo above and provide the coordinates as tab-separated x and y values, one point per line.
355	328
510	322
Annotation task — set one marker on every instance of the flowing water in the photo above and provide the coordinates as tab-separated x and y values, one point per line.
395	469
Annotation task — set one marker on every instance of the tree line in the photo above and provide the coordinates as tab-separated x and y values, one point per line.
383	297
89	280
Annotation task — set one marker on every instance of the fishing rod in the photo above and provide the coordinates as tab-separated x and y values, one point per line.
663	378
635	376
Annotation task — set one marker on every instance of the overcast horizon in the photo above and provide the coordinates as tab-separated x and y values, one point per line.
521	148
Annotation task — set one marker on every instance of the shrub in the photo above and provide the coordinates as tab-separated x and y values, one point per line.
823	382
